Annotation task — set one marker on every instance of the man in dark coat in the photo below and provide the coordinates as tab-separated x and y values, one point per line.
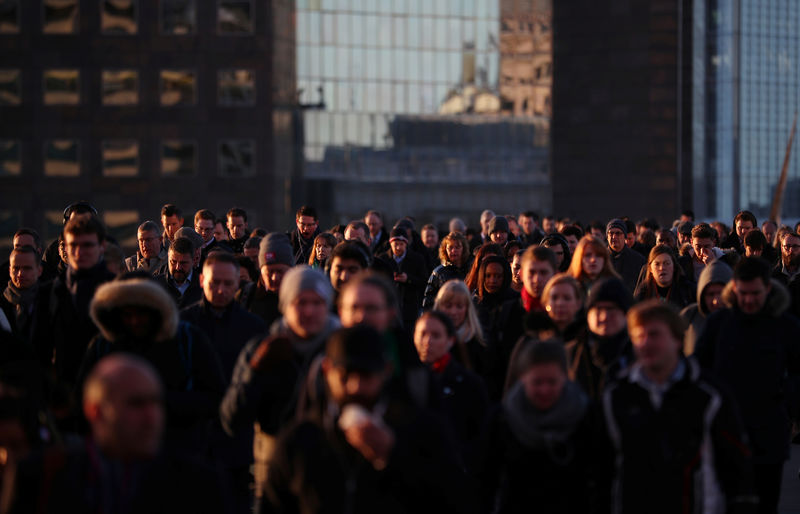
19	299
181	280
368	451
752	347
627	263
302	237
409	274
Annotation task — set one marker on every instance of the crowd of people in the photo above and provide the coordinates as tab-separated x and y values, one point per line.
523	365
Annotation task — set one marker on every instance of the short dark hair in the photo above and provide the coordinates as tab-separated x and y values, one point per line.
249	265
258	232
379	282
751	268
572	230
205	214
170	210
656	310
149	226
358	225
82	226
81	207
688	213
352	250
745	216
443	318
755	239
221	257
252	242
306	211
704	231
236	212
536	353
29	250
532	215
182	245
429	226
37	240
540	254
631	226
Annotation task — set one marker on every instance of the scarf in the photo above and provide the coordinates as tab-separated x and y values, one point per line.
22	300
548	430
440	365
530	303
82	284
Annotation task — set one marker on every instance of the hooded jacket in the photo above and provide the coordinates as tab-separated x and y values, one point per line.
717	272
758	357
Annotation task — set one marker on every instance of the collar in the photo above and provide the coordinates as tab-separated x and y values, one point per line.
188	278
400	259
657	391
529	303
210	241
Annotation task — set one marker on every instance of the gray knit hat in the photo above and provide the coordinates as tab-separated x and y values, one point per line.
303	278
617	223
275	249
191	235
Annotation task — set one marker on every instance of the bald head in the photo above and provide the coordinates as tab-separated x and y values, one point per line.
122	401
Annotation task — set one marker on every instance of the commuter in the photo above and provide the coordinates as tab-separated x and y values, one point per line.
664	279
454	258
626	262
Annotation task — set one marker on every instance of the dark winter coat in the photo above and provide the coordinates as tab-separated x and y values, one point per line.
192	295
440	274
628	264
301	246
261	303
680	293
409	293
593	360
717	272
758	358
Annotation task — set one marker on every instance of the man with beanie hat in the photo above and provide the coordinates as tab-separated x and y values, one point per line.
498	230
409	274
627	263
275	258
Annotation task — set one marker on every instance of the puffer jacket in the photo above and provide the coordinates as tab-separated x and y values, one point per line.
440	274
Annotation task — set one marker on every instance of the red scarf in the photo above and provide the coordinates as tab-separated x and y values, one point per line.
440	365
530	303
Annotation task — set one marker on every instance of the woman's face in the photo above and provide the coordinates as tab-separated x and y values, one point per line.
323	251
543	384
662	270
592	262
456	309
559	251
454	251
431	339
493	278
562	304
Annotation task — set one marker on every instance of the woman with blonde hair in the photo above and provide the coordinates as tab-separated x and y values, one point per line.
455	300
454	258
591	262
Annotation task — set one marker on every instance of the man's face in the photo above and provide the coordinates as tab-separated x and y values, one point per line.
237	226
251	253
220	233
769	229
513	227
356	387
149	244
272	275
702	246
171	225
485	219
616	239
306	225
535	276
543	384
307	314
430	238
356	234
398	247
743	227
712	297
83	250
374	223
527	225
25	269
366	304
684	238
133	416
598	233
630	239
606	319
655	347
499	237
790	251
751	295
180	265
205	228
516	268
219	280
25	240
343	270
549	225
572	242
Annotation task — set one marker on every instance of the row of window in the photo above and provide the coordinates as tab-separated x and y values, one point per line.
235	87
121	158
462	8
121	17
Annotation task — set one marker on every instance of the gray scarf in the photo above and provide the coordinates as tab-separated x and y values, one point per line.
22	300
549	430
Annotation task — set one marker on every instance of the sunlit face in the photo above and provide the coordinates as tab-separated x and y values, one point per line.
606	319
365	303
559	251
306	225
790	250
374	223
237	227
712	297
219	280
25	240
398	247
493	278
572	242
322	251
456	309
431	339
543	384
655	347
205	228
769	230
25	269
171	225
516	268
272	275
356	234
662	270
454	251
220	232
548	225
562	304
307	314
343	270
743	227
149	244
535	276
616	239
592	262
83	250
751	295
180	265
353	387
702	246
430	238
499	237
526	224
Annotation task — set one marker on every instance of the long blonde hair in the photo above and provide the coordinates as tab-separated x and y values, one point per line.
457	289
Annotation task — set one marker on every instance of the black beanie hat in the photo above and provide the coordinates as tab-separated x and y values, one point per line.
610	290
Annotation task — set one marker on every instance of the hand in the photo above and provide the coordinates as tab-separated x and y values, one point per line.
270	352
373	441
707	255
400	277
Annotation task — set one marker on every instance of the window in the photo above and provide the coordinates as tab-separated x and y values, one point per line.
237	158
60	16
120	87
10	161
62	87
237	87
10	89
235	17
178	158
122	226
178	17
178	87
9	16
118	17
120	158
62	158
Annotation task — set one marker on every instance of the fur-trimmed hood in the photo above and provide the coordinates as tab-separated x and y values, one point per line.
778	300
135	292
